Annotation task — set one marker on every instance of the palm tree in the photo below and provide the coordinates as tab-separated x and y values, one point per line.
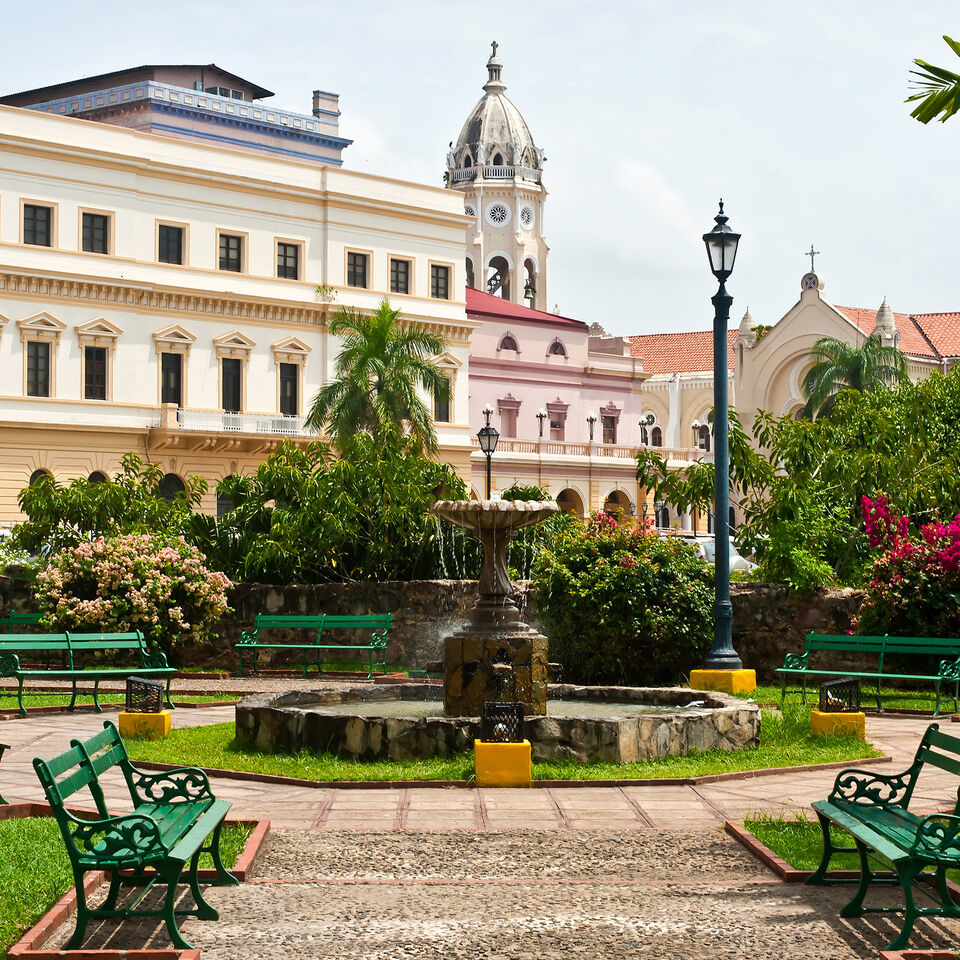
381	364
938	89
837	365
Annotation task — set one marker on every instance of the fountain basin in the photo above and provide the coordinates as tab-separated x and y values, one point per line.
587	724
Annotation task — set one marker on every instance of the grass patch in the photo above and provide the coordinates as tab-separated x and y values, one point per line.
8	702
786	741
891	697
799	841
35	871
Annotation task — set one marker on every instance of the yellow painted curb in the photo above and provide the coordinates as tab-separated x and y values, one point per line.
726	681
851	724
150	726
502	764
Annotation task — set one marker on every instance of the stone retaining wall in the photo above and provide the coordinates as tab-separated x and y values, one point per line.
768	619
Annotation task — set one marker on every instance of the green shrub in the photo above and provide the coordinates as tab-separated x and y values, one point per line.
622	605
133	582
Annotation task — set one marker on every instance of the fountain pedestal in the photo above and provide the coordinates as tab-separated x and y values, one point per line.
495	634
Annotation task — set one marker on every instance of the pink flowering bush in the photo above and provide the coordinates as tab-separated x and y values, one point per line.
622	605
134	582
913	587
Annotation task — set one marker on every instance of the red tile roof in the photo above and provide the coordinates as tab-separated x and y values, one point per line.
679	352
485	305
942	330
912	341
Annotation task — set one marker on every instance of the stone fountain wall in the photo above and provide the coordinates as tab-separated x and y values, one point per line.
289	722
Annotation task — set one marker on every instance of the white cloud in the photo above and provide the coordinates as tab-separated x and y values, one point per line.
659	202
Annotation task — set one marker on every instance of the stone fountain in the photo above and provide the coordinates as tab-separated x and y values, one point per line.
475	655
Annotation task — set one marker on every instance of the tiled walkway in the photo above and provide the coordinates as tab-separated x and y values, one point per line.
432	808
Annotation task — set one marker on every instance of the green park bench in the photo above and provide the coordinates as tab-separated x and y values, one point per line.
17	619
375	626
79	651
947	674
873	808
174	813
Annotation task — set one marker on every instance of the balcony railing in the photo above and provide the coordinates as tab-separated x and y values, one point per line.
563	448
269	424
495	172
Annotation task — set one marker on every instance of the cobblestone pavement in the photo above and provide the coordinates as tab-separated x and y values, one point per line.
522	895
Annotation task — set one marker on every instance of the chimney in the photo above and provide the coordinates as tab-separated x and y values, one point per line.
316	103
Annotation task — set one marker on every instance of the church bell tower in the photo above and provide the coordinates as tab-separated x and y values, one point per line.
497	167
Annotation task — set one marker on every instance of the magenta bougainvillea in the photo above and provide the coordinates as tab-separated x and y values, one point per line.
913	587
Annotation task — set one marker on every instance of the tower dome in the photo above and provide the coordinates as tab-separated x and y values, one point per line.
496	166
495	133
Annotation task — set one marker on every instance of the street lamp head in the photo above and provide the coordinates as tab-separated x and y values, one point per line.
488	437
721	244
591	417
541	413
488	413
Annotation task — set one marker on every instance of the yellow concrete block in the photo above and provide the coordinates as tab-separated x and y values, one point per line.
850	724
726	681
502	764
150	726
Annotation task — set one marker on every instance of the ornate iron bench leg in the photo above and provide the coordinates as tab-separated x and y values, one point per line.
170	874
829	849
224	877
170	705
908	872
83	912
855	907
96	696
23	709
205	911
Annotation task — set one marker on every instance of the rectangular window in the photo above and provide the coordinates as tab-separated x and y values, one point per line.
609	429
508	423
170	244
440	282
289	401
288	261
37	225
232	377
38	369
171	378
95	373
399	276
441	407
357	269
95	233
231	252
556	429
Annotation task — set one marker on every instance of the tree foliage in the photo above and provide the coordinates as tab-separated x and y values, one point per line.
938	89
381	364
800	482
838	365
60	516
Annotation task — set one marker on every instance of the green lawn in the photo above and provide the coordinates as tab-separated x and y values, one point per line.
9	702
35	871
798	840
890	697
786	741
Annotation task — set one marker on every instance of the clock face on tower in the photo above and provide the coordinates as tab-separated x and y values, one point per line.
810	282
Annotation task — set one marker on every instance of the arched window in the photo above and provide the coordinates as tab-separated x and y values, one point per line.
224	503
97	477
569	502
498	160
703	438
170	486
498	278
508	343
617	502
467	162
557	349
656	437
470	280
37	474
661	516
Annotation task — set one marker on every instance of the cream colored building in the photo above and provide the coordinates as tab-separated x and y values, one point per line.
158	290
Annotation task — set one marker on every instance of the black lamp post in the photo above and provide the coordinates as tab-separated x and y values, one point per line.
541	416
488	437
721	243
591	420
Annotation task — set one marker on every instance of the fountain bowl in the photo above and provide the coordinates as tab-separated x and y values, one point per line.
586	724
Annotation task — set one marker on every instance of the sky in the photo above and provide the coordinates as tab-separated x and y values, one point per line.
648	113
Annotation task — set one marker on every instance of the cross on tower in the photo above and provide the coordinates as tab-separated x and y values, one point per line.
811	253
494	45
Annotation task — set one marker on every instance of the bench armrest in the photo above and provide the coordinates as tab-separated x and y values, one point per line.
938	835
795	661
154	658
378	638
122	839
868	787
949	669
182	785
9	664
248	636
